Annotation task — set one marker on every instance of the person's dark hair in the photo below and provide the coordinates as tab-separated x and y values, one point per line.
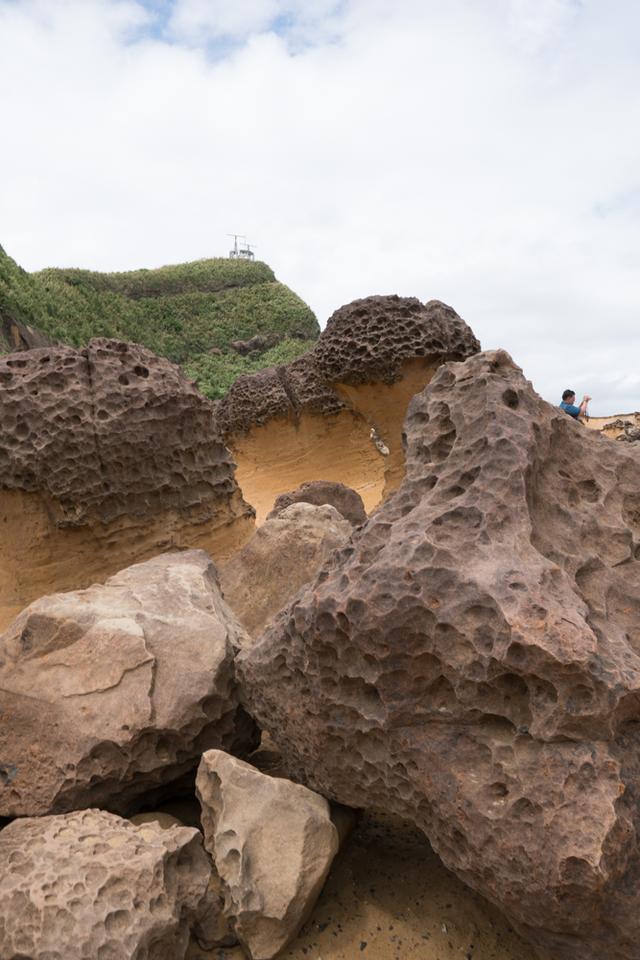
567	394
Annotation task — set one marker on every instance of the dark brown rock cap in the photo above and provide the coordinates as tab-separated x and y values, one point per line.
256	398
366	341
318	492
369	339
107	430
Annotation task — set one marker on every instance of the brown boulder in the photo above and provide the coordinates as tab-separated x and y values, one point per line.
108	455
110	692
283	554
88	885
272	843
369	340
470	659
345	500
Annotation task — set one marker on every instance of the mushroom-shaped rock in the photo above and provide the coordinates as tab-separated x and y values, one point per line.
345	500
272	843
108	455
470	659
89	885
336	414
283	554
369	340
112	691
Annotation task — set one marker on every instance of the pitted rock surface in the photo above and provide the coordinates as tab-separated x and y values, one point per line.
89	885
345	500
368	340
272	843
109	430
365	341
110	692
283	554
470	660
255	399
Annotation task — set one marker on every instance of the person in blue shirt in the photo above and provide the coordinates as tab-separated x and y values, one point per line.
569	404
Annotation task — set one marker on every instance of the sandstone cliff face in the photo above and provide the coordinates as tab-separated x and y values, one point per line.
108	455
470	659
336	414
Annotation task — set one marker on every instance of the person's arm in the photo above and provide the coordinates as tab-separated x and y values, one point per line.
584	405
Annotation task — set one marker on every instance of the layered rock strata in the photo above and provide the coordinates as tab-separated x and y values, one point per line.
108	455
89	885
336	414
283	554
272	843
110	692
345	500
469	660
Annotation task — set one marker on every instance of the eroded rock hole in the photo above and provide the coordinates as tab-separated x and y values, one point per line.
510	399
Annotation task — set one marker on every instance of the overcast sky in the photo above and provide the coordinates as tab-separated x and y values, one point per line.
481	152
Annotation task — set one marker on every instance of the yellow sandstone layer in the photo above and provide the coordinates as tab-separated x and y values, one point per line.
37	557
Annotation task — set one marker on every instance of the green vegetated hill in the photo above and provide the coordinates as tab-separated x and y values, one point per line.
190	313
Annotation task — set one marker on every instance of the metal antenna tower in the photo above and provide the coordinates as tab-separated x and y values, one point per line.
240	252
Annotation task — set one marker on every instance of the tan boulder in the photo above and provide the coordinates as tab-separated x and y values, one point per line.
272	843
109	692
283	554
91	886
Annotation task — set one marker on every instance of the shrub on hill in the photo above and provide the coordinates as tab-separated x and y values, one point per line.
190	313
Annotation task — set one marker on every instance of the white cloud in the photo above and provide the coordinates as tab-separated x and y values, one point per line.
485	153
198	21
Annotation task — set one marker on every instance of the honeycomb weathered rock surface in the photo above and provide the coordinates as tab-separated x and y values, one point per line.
108	456
368	340
336	413
89	885
470	659
106	430
256	398
110	692
346	501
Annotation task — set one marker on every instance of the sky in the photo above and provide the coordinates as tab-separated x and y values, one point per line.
481	152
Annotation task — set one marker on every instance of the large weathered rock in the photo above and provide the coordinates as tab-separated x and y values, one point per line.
108	455
272	843
470	660
283	554
369	340
111	691
336	414
346	501
90	886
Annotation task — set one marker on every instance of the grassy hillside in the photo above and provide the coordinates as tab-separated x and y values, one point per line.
189	313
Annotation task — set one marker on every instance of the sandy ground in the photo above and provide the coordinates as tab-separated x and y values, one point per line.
388	897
